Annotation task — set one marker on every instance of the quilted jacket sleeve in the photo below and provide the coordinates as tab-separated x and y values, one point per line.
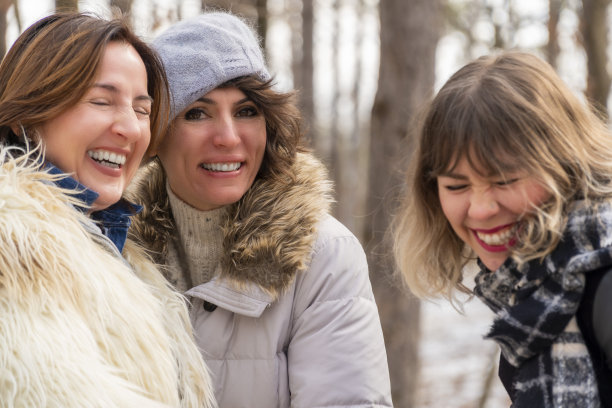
337	355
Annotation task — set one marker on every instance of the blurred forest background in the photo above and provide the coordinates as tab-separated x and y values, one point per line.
363	69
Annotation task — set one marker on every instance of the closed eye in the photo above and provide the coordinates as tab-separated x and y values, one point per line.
142	111
456	187
99	102
506	182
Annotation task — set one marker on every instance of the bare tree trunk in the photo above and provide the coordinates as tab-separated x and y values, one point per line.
5	5
261	7
552	47
17	15
125	6
245	8
305	82
409	35
353	190
334	133
293	16
594	29
66	5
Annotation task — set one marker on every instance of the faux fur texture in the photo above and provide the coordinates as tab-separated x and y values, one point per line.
78	328
269	233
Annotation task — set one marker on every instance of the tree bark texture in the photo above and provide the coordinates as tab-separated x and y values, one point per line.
552	47
66	5
261	8
305	78
5	5
124	5
409	31
594	30
255	11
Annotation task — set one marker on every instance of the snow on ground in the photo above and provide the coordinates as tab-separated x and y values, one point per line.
456	359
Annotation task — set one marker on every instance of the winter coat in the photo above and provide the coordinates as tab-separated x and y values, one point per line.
79	325
290	318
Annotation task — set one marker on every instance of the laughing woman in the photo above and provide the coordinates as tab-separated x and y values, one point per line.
80	325
514	171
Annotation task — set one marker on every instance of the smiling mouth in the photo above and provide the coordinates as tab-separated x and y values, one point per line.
498	238
221	167
108	159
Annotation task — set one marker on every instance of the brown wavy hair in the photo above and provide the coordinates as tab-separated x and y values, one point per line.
502	112
54	62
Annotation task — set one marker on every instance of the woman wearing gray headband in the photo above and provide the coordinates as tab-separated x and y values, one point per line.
238	212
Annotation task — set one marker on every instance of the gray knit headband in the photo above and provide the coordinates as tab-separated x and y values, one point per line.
202	53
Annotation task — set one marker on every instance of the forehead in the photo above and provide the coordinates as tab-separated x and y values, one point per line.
122	58
485	162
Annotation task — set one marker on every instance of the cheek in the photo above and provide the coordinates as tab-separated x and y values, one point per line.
524	201
539	195
454	210
145	138
446	204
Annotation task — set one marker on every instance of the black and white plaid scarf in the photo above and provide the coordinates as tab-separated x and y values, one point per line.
535	306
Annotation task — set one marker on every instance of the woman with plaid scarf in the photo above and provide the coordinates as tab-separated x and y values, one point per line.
514	171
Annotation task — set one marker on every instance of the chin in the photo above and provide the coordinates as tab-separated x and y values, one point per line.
493	264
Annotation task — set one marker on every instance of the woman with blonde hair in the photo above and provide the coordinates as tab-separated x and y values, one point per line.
515	171
86	320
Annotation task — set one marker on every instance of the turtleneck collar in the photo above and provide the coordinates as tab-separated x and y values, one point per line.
200	236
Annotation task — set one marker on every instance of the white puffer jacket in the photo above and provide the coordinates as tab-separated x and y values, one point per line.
290	319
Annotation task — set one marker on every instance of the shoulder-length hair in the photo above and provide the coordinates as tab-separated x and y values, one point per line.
54	62
502	113
283	123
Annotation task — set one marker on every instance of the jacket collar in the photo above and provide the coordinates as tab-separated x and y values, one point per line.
268	234
249	301
113	221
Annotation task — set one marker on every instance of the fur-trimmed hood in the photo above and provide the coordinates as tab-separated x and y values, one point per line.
268	234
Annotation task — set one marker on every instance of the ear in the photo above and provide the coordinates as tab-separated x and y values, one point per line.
19	131
152	153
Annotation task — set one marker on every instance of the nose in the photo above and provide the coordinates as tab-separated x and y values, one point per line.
483	205
226	132
127	124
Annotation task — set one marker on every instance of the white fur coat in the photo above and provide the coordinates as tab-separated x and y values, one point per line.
79	327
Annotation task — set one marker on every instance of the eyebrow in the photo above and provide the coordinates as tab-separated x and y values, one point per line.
115	90
453	176
212	102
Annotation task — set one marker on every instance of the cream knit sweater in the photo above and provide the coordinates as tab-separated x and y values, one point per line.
199	240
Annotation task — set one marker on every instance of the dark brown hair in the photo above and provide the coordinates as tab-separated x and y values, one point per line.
283	123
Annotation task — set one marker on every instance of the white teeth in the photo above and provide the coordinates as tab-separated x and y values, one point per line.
223	167
497	238
107	158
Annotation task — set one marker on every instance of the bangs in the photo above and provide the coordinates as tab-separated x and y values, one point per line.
476	127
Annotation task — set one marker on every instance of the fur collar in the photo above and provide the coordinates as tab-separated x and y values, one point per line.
268	234
65	299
